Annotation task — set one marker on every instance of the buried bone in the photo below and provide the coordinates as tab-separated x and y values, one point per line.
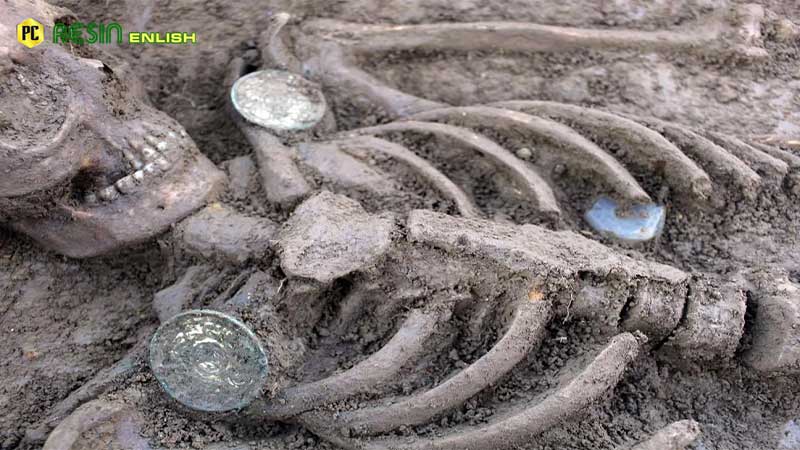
217	232
776	332
528	251
696	169
332	242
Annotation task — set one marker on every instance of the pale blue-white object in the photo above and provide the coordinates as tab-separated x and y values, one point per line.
209	361
791	435
637	224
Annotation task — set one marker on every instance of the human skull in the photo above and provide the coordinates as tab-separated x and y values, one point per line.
87	166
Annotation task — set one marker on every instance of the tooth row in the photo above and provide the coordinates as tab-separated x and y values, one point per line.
157	144
129	183
154	160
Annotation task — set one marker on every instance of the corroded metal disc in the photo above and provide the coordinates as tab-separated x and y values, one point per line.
208	361
278	100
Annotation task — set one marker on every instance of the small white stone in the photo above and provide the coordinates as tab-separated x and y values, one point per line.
133	143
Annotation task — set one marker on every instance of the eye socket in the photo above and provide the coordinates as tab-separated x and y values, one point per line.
35	109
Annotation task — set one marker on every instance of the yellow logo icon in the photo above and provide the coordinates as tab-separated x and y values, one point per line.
30	33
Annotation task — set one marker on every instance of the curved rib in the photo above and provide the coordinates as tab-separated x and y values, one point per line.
525	331
787	157
512	36
337	71
67	435
647	147
589	386
763	162
274	51
675	436
365	376
531	181
583	153
104	380
711	156
449	189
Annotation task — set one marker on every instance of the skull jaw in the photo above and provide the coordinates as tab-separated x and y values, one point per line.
85	231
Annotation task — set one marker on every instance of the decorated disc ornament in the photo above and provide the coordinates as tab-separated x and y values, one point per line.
278	100
208	361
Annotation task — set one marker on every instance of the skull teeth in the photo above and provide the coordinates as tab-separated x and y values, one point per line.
163	163
108	194
149	153
129	183
150	169
126	185
150	158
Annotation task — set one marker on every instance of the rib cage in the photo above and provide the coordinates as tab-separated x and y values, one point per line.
628	155
695	168
630	158
582	154
371	425
548	275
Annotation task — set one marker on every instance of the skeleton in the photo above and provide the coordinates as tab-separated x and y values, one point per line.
429	277
517	276
530	263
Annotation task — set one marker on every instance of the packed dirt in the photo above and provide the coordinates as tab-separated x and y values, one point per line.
63	320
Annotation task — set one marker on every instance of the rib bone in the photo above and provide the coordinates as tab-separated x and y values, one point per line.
543	196
365	376
443	184
512	36
525	332
647	147
595	381
583	153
